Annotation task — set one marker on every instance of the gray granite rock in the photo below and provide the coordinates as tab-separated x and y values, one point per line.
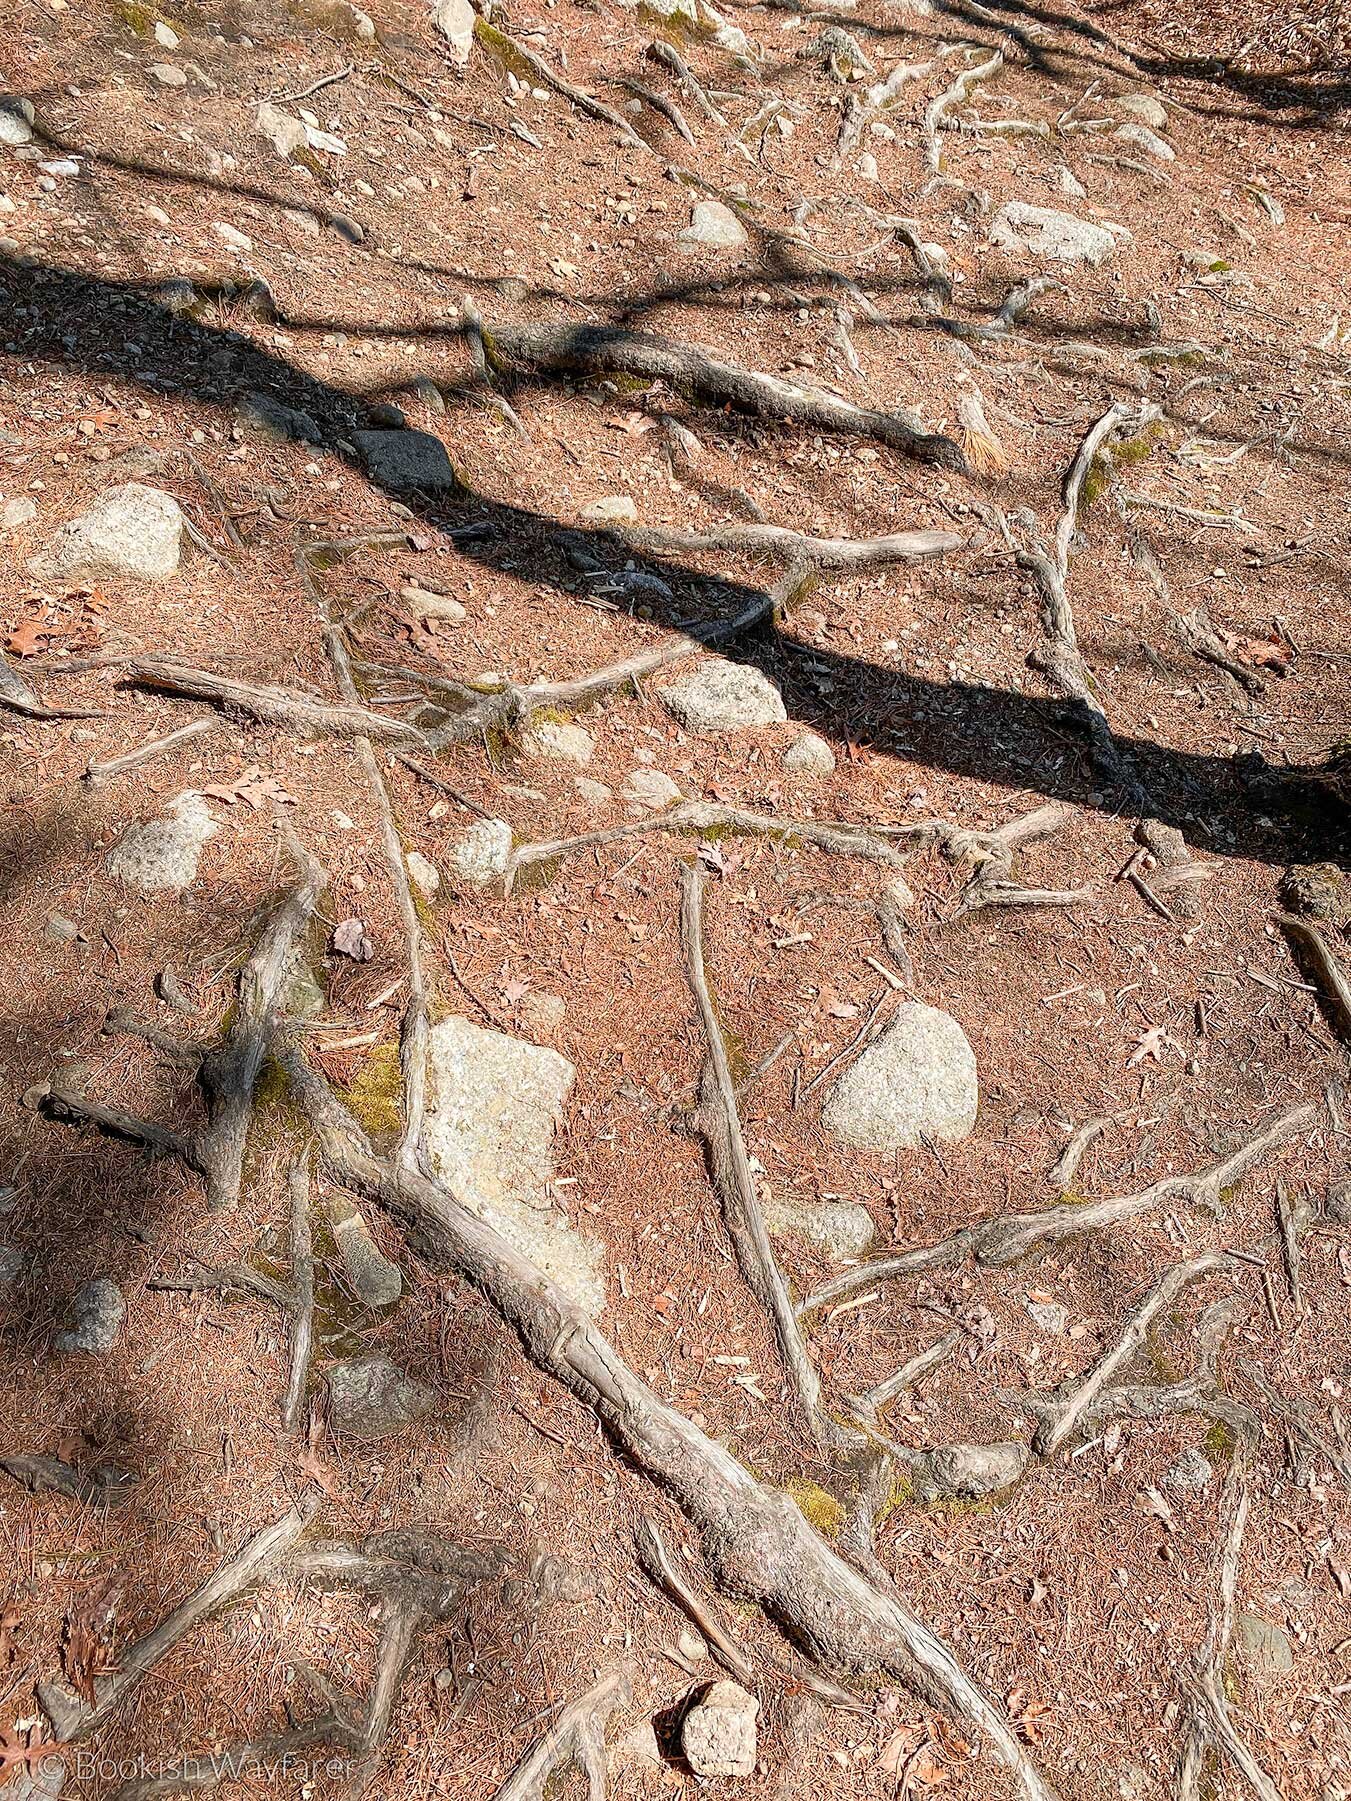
16	120
649	791
1265	1647
1140	137
18	512
720	696
1146	108
1057	237
265	417
809	755
480	857
718	1733
917	1081
559	741
497	1100
423	874
1189	1471
406	461
98	1310
716	227
129	531
842	1229
371	1397
163	854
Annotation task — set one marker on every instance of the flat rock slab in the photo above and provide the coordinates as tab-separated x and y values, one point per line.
1057	237
918	1081
371	1397
98	1310
490	1136
406	461
130	531
1266	1647
842	1229
162	855
720	696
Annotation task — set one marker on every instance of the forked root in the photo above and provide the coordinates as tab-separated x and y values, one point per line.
577	1736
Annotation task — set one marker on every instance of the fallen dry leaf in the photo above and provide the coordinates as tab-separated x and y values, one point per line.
1152	1042
350	940
253	786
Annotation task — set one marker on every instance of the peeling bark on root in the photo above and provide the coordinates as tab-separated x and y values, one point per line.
757	1542
576	1736
605	350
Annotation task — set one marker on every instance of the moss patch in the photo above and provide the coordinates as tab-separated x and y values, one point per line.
375	1096
822	1511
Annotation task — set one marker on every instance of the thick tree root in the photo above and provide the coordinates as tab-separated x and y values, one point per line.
274	706
577	1736
689	369
758	1542
820	553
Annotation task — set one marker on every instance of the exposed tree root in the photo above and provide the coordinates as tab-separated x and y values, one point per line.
1060	1416
1332	978
1211	1725
1066	1166
758	1542
19	696
74	1719
718	1123
157	747
661	1567
302	1294
821	553
1198	1393
274	706
687	368
228	1073
577	1736
872	1403
935	117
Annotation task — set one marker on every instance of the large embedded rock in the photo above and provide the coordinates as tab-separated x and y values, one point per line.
98	1309
482	853
1057	237
720	696
918	1081
842	1229
131	531
490	1136
163	854
371	1397
403	462
718	1734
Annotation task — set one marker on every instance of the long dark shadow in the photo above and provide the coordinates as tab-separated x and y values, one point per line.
1237	806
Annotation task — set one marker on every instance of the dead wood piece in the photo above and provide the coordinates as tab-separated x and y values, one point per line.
157	747
1002	1241
1332	977
274	706
172	1049
688	368
226	1278
759	1544
106	1486
302	1295
947	1254
659	103
1201	638
661	1567
74	1719
66	1105
908	1374
1060	1417
577	1736
1198	1393
985	891
718	1123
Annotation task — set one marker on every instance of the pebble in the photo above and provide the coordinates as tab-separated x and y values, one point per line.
169	75
481	855
649	791
424	874
718	1733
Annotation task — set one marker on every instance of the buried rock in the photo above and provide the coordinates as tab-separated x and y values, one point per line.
917	1082
163	854
1058	237
131	531
371	1397
720	696
99	1309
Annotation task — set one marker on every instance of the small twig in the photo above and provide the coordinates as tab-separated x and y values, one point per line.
661	1567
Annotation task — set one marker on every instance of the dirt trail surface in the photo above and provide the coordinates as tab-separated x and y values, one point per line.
675	757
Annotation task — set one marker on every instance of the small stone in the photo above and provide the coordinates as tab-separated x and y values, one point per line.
596	794
612	509
1051	1316
917	1081
480	858
867	167
721	696
375	1281
406	461
1265	1647
177	296
718	1734
1190	1471
17	513
1069	184
1144	107
649	791
163	854
423	874
842	1229
639	1746
691	1646
98	1309
968	1472
232	239
542	1014
60	929
1140	137
129	531
165	36
371	1397
715	226
1058	237
285	133
454	19
385	416
16	120
429	605
13	1265
809	755
168	75
559	741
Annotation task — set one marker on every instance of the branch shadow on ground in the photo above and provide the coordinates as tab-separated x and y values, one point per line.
1020	742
